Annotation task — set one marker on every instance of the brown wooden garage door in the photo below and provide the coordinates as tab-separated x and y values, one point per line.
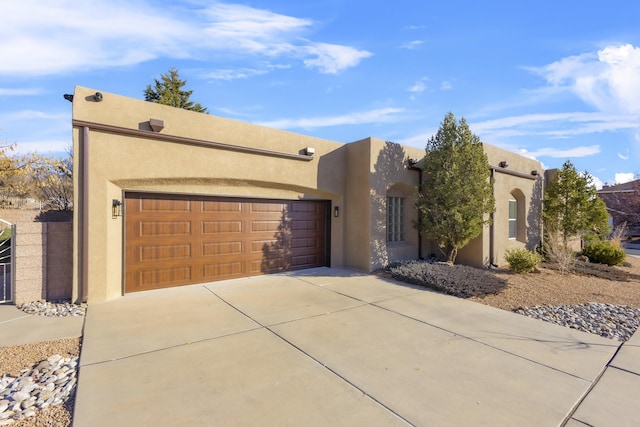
179	240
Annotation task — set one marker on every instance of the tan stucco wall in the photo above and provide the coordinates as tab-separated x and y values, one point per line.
390	176
378	169
356	177
506	185
358	213
119	163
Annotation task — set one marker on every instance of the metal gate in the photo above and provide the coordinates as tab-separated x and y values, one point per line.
7	260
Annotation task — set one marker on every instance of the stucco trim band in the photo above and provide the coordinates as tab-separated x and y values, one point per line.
513	173
190	141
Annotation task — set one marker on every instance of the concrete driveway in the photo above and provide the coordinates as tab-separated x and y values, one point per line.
328	347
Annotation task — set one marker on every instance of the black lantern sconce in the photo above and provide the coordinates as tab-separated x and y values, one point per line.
336	211
116	208
504	164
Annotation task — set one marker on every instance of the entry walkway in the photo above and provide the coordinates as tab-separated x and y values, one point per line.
17	327
334	347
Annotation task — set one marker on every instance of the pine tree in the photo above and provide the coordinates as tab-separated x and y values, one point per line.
457	192
168	91
571	206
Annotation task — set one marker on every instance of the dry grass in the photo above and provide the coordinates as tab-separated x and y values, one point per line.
507	290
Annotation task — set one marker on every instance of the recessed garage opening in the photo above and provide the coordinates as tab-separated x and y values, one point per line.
174	240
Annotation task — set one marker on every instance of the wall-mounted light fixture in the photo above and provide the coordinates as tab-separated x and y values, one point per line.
534	172
309	151
116	208
97	96
504	164
336	211
68	97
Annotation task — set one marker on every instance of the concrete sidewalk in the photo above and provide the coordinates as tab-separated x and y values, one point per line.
614	398
18	327
334	347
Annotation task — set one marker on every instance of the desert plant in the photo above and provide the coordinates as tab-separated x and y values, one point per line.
522	260
604	252
556	252
618	234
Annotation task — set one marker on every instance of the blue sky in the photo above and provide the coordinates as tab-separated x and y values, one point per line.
552	80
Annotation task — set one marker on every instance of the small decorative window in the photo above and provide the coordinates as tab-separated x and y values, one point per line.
513	219
395	219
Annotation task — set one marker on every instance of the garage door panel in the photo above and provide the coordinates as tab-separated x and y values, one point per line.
307	207
265	226
160	205
164	252
178	240
162	277
234	207
222	270
223	226
221	248
304	261
306	242
164	228
270	207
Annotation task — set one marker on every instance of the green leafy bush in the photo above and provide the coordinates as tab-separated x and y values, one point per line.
522	260
604	252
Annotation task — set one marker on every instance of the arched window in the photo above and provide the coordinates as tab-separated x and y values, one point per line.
517	212
513	218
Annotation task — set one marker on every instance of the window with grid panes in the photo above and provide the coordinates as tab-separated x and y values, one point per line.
395	219
513	219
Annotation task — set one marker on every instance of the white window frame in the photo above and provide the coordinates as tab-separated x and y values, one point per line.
513	219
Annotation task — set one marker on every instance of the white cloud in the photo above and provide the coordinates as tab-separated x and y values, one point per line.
555	125
240	73
332	58
19	92
446	85
414	44
608	80
624	156
383	115
63	36
597	182
621	178
583	151
418	87
419	140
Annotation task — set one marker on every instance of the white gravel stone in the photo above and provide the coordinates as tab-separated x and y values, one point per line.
56	308
608	320
38	388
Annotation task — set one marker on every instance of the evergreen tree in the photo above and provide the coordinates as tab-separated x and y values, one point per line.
168	91
457	192
571	206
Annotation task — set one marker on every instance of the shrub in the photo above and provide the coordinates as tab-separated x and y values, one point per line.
555	252
522	260
604	252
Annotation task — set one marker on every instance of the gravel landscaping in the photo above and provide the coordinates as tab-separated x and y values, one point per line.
38	380
592	298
